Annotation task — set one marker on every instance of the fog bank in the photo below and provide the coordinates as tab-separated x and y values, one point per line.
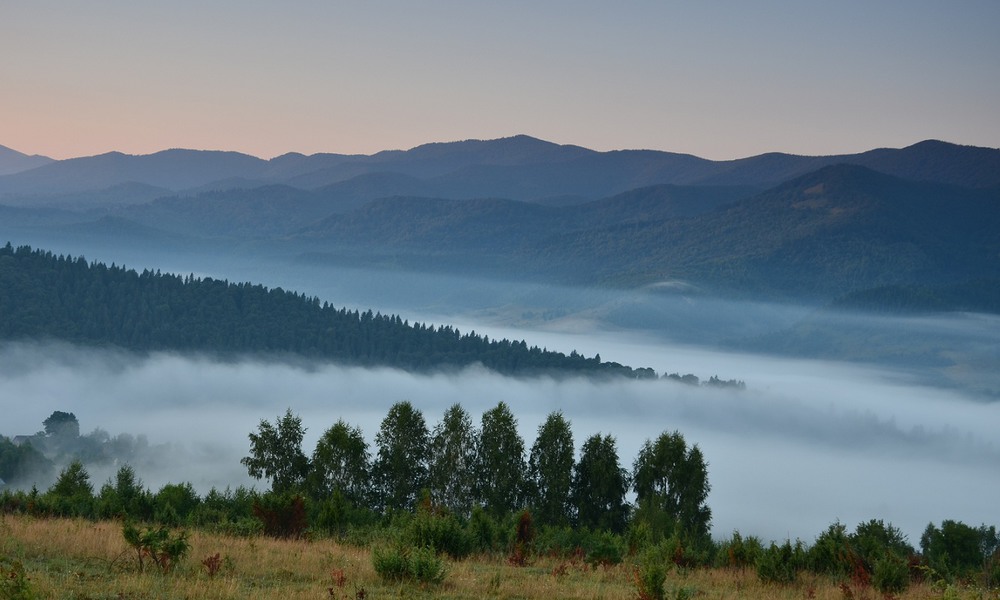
805	444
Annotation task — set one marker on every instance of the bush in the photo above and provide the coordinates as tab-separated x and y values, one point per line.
739	552
559	542
157	544
650	576
440	531
891	575
833	554
399	563
391	563
486	534
426	566
779	564
605	548
174	503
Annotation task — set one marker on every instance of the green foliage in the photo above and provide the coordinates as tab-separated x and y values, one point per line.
49	296
19	464
605	548
229	512
501	472
738	552
341	464
440	531
780	564
401	465
487	534
671	484
400	563
14	581
156	544
72	495
891	574
550	468
392	563
125	496
62	425
599	486
875	539
337	515
956	550
276	453
833	552
650	576
174	503
451	465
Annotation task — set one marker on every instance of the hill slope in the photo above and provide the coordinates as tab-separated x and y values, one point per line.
12	161
45	296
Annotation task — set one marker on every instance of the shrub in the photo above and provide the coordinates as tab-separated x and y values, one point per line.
485	532
426	566
739	552
399	563
891	574
157	544
833	553
876	539
440	531
650	576
778	564
391	563
605	548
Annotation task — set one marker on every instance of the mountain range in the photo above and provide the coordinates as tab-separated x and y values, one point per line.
773	225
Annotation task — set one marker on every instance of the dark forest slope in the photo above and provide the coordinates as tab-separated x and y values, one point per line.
43	296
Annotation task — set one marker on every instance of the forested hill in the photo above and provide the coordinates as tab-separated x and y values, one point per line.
43	296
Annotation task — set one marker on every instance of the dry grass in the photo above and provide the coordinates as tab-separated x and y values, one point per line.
82	559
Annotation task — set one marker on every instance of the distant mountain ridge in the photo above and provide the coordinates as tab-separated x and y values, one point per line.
519	168
12	161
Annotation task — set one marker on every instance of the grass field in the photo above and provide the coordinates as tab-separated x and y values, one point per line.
70	558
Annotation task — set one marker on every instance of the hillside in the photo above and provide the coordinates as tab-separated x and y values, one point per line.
839	229
43	296
12	161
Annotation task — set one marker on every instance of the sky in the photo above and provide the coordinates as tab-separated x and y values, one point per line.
719	79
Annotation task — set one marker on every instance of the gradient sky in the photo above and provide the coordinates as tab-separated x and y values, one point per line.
719	79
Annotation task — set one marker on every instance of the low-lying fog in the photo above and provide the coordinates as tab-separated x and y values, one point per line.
807	443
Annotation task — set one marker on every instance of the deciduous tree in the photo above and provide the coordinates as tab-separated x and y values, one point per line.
671	481
341	462
276	453
500	467
452	460
401	466
599	486
550	468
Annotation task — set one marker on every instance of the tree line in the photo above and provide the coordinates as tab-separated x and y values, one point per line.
459	489
59	297
457	467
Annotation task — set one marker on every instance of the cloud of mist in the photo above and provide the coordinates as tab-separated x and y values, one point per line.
807	443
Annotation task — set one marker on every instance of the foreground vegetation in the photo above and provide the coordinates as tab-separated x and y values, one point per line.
76	558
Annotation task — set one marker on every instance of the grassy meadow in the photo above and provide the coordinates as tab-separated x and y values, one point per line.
76	558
